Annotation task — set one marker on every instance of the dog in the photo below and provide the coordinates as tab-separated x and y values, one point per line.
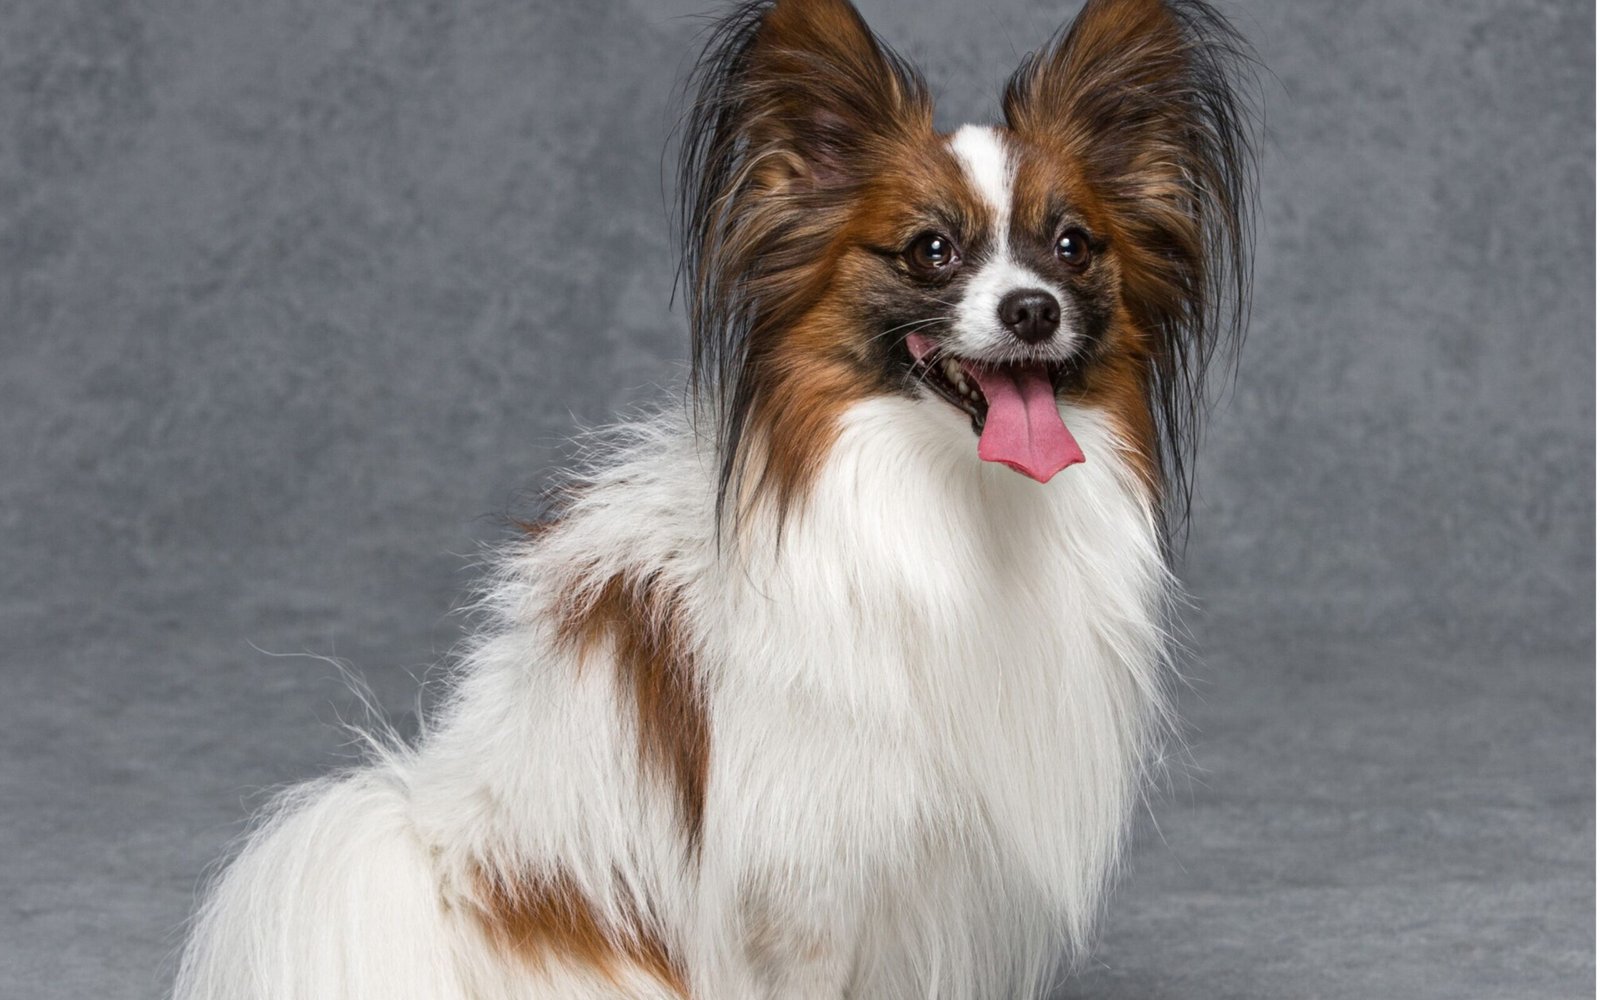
843	678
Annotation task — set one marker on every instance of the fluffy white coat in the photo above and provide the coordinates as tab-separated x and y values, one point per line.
930	698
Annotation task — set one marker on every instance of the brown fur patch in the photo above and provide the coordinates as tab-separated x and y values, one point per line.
1119	386
641	620
1050	177
536	528
815	369
799	108
1145	103
547	919
795	419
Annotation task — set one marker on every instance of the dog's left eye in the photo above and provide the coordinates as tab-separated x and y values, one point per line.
1072	247
932	255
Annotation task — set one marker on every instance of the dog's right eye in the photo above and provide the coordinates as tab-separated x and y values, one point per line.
932	255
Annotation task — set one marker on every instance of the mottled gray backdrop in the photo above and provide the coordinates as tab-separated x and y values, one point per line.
298	297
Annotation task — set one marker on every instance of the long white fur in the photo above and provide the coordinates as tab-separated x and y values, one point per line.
929	700
930	696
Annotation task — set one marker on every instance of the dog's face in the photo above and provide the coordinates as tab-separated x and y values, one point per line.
1079	252
983	243
983	277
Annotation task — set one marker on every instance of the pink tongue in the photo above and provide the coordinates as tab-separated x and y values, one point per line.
1023	428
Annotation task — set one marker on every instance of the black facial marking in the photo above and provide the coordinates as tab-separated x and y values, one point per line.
892	310
1090	289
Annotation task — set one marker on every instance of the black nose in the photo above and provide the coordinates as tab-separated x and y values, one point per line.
1032	314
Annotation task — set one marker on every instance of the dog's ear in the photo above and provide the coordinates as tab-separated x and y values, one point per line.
795	106
1129	77
1151	102
1144	96
807	91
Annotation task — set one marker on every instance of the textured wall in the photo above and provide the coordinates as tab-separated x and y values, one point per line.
293	291
296	297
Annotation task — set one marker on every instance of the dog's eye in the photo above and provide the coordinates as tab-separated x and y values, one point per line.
931	255
1072	247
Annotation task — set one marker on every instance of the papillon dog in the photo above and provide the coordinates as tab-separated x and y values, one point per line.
843	678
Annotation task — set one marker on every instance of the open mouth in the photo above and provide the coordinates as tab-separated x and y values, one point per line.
959	381
1012	407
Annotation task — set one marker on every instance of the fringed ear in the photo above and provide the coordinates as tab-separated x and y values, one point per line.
805	88
795	102
1154	100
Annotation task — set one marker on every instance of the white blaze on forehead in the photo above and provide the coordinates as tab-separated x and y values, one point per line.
988	166
977	332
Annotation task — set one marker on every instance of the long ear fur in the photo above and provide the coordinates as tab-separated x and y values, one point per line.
795	100
1155	99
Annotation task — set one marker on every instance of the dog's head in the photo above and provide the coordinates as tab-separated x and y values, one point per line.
1092	248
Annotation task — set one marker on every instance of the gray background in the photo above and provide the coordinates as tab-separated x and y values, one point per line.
297	298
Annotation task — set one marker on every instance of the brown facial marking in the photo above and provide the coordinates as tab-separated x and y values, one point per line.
1150	102
795	419
546	918
922	186
1049	189
798	110
832	356
1118	387
655	668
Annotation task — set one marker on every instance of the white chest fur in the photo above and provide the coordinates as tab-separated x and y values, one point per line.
928	701
941	650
